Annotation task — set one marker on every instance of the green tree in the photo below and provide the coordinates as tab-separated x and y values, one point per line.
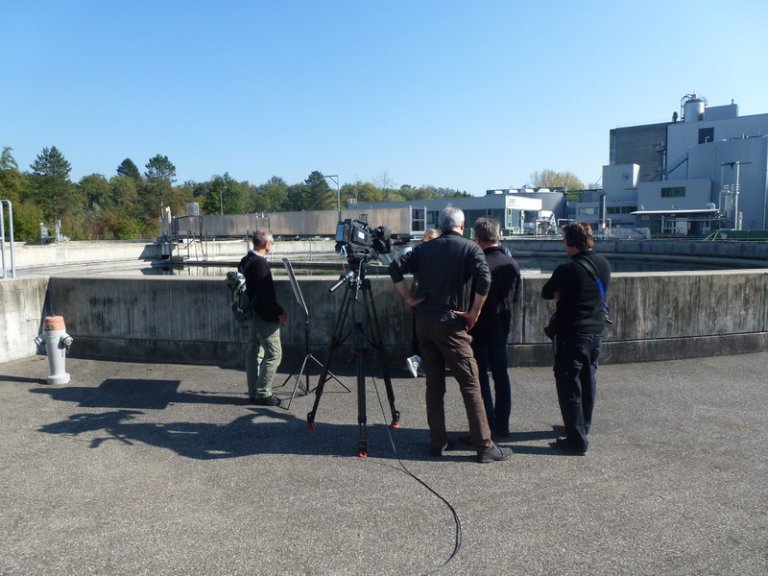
13	185
159	168
225	196
157	190
128	168
27	217
294	197
367	192
12	182
125	196
272	196
97	192
317	195
50	187
7	161
552	179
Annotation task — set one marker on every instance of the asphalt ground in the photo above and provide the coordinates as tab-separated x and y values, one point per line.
160	469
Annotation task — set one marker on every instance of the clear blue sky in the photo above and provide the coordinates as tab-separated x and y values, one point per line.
460	94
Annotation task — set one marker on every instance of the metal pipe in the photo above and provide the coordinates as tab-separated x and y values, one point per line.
10	232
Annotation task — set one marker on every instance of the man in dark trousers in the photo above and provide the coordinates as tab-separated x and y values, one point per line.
579	323
490	334
264	350
445	310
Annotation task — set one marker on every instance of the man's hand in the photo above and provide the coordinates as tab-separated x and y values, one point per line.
469	317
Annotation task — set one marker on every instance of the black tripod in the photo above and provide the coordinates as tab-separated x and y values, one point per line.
303	368
356	282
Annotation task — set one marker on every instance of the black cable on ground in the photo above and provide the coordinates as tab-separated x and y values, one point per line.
456	519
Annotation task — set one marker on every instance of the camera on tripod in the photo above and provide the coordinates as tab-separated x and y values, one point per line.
358	242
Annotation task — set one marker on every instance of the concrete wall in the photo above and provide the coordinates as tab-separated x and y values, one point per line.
30	256
693	251
187	320
21	316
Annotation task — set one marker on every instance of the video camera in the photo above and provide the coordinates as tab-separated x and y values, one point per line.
358	242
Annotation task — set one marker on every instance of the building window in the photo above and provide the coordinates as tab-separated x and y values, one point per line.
589	211
673	191
706	135
418	219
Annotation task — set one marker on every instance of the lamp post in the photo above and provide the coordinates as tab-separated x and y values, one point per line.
335	179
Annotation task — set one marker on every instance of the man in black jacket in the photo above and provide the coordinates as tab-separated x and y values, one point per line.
445	309
264	350
490	334
579	323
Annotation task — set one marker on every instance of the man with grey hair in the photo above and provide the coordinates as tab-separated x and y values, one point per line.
264	351
446	309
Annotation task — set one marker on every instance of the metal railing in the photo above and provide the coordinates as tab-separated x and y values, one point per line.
2	239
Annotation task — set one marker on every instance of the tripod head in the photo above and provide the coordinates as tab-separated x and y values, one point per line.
354	277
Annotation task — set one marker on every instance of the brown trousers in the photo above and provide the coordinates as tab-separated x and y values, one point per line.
447	347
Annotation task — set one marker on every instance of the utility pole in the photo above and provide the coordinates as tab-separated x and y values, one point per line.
335	179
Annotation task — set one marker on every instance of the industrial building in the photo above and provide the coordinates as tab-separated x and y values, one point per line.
704	170
515	212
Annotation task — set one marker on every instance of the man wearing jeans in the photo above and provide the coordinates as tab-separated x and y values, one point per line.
445	309
579	323
490	334
264	351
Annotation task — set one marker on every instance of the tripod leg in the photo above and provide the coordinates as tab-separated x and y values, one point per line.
378	345
336	341
298	380
362	419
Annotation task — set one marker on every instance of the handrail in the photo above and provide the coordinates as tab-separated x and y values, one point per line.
2	239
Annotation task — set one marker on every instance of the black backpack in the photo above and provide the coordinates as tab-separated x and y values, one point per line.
241	303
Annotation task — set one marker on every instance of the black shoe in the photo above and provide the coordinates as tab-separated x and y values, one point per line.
437	451
567	446
266	401
495	454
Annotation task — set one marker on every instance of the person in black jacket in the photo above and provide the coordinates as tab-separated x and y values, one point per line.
446	309
264	350
490	334
579	323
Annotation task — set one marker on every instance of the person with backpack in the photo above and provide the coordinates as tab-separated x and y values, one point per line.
264	351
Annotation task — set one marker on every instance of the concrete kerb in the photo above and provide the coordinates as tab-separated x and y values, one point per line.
139	468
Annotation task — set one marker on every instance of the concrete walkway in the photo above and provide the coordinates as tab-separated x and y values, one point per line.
136	469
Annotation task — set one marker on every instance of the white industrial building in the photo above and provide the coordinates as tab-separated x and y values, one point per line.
511	211
705	170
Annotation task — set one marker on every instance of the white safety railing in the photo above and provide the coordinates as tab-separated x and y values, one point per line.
2	238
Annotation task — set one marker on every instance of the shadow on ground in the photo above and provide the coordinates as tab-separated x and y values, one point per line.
261	430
